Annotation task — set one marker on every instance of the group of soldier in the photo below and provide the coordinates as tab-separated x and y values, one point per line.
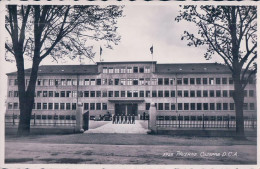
123	119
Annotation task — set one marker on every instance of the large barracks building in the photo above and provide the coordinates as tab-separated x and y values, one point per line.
130	87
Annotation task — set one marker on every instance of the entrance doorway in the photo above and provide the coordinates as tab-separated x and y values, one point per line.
126	109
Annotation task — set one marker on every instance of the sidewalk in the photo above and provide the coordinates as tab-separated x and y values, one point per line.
136	128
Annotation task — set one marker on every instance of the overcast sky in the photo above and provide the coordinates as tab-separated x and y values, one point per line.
142	27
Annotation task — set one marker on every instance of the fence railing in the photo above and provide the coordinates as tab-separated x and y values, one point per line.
203	122
43	120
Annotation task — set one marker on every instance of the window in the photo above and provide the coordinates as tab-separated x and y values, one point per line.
160	81
179	106
172	93
147	94
92	106
218	106
185	81
211	81
160	93
172	106
56	106
63	82
129	82
69	82
122	70
205	93
179	93
50	93
232	106
179	81
252	106
67	106
231	92
245	93
56	82
92	93
74	106
135	81
98	93
135	93
62	106
141	69
81	82
129	70
135	69
147	70
225	106
160	106
62	94
186	93
104	93
104	81
86	106
116	70
245	106
110	81
192	81
104	69
141	81
224	80
199	106
211	93
44	82
50	106
225	93
218	81
147	81
166	81
116	81
39	106
186	106
16	105
129	93
172	81
39	93
192	106
212	106
231	80
39	82
154	93
110	70
198	81
98	106
98	82
116	93
16	94
141	93
166	106
154	81
166	93
74	82
86	82
122	81
205	106
11	81
92	82
198	93
10	94
122	93
110	94
205	81
74	93
10	106
86	93
192	93
147	106
251	93
104	106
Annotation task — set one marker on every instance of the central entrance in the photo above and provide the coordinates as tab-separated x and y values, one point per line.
126	109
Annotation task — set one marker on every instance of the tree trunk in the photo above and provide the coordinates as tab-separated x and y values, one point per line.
239	102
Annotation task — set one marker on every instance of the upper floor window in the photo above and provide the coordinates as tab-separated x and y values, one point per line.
122	81
86	82
218	81
129	82
81	82
15	82
16	105
185	81
69	82
92	82
205	80
141	81
104	81
147	81
192	81
39	82
116	81
11	81
110	70
104	69
166	81
45	82
141	69
160	81
224	80
154	81
211	81
135	69
147	70
122	70
74	82
231	80
116	70
172	81
63	82
135	81
129	70
56	82
198	81
179	81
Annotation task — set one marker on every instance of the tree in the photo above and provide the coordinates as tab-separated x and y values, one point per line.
36	32
229	31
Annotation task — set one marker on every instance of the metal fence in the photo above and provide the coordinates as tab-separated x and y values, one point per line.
203	122
43	120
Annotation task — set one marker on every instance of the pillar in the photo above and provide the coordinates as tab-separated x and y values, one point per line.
79	118
152	119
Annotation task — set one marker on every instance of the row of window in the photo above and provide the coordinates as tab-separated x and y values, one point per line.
128	69
200	106
131	81
136	93
159	106
61	106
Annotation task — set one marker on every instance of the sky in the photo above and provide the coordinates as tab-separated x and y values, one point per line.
141	27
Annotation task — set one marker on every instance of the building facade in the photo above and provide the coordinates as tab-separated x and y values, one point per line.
130	87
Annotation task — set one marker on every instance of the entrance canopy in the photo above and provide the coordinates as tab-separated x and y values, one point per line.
127	100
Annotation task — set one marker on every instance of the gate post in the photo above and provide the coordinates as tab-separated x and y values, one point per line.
86	121
152	119
79	119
